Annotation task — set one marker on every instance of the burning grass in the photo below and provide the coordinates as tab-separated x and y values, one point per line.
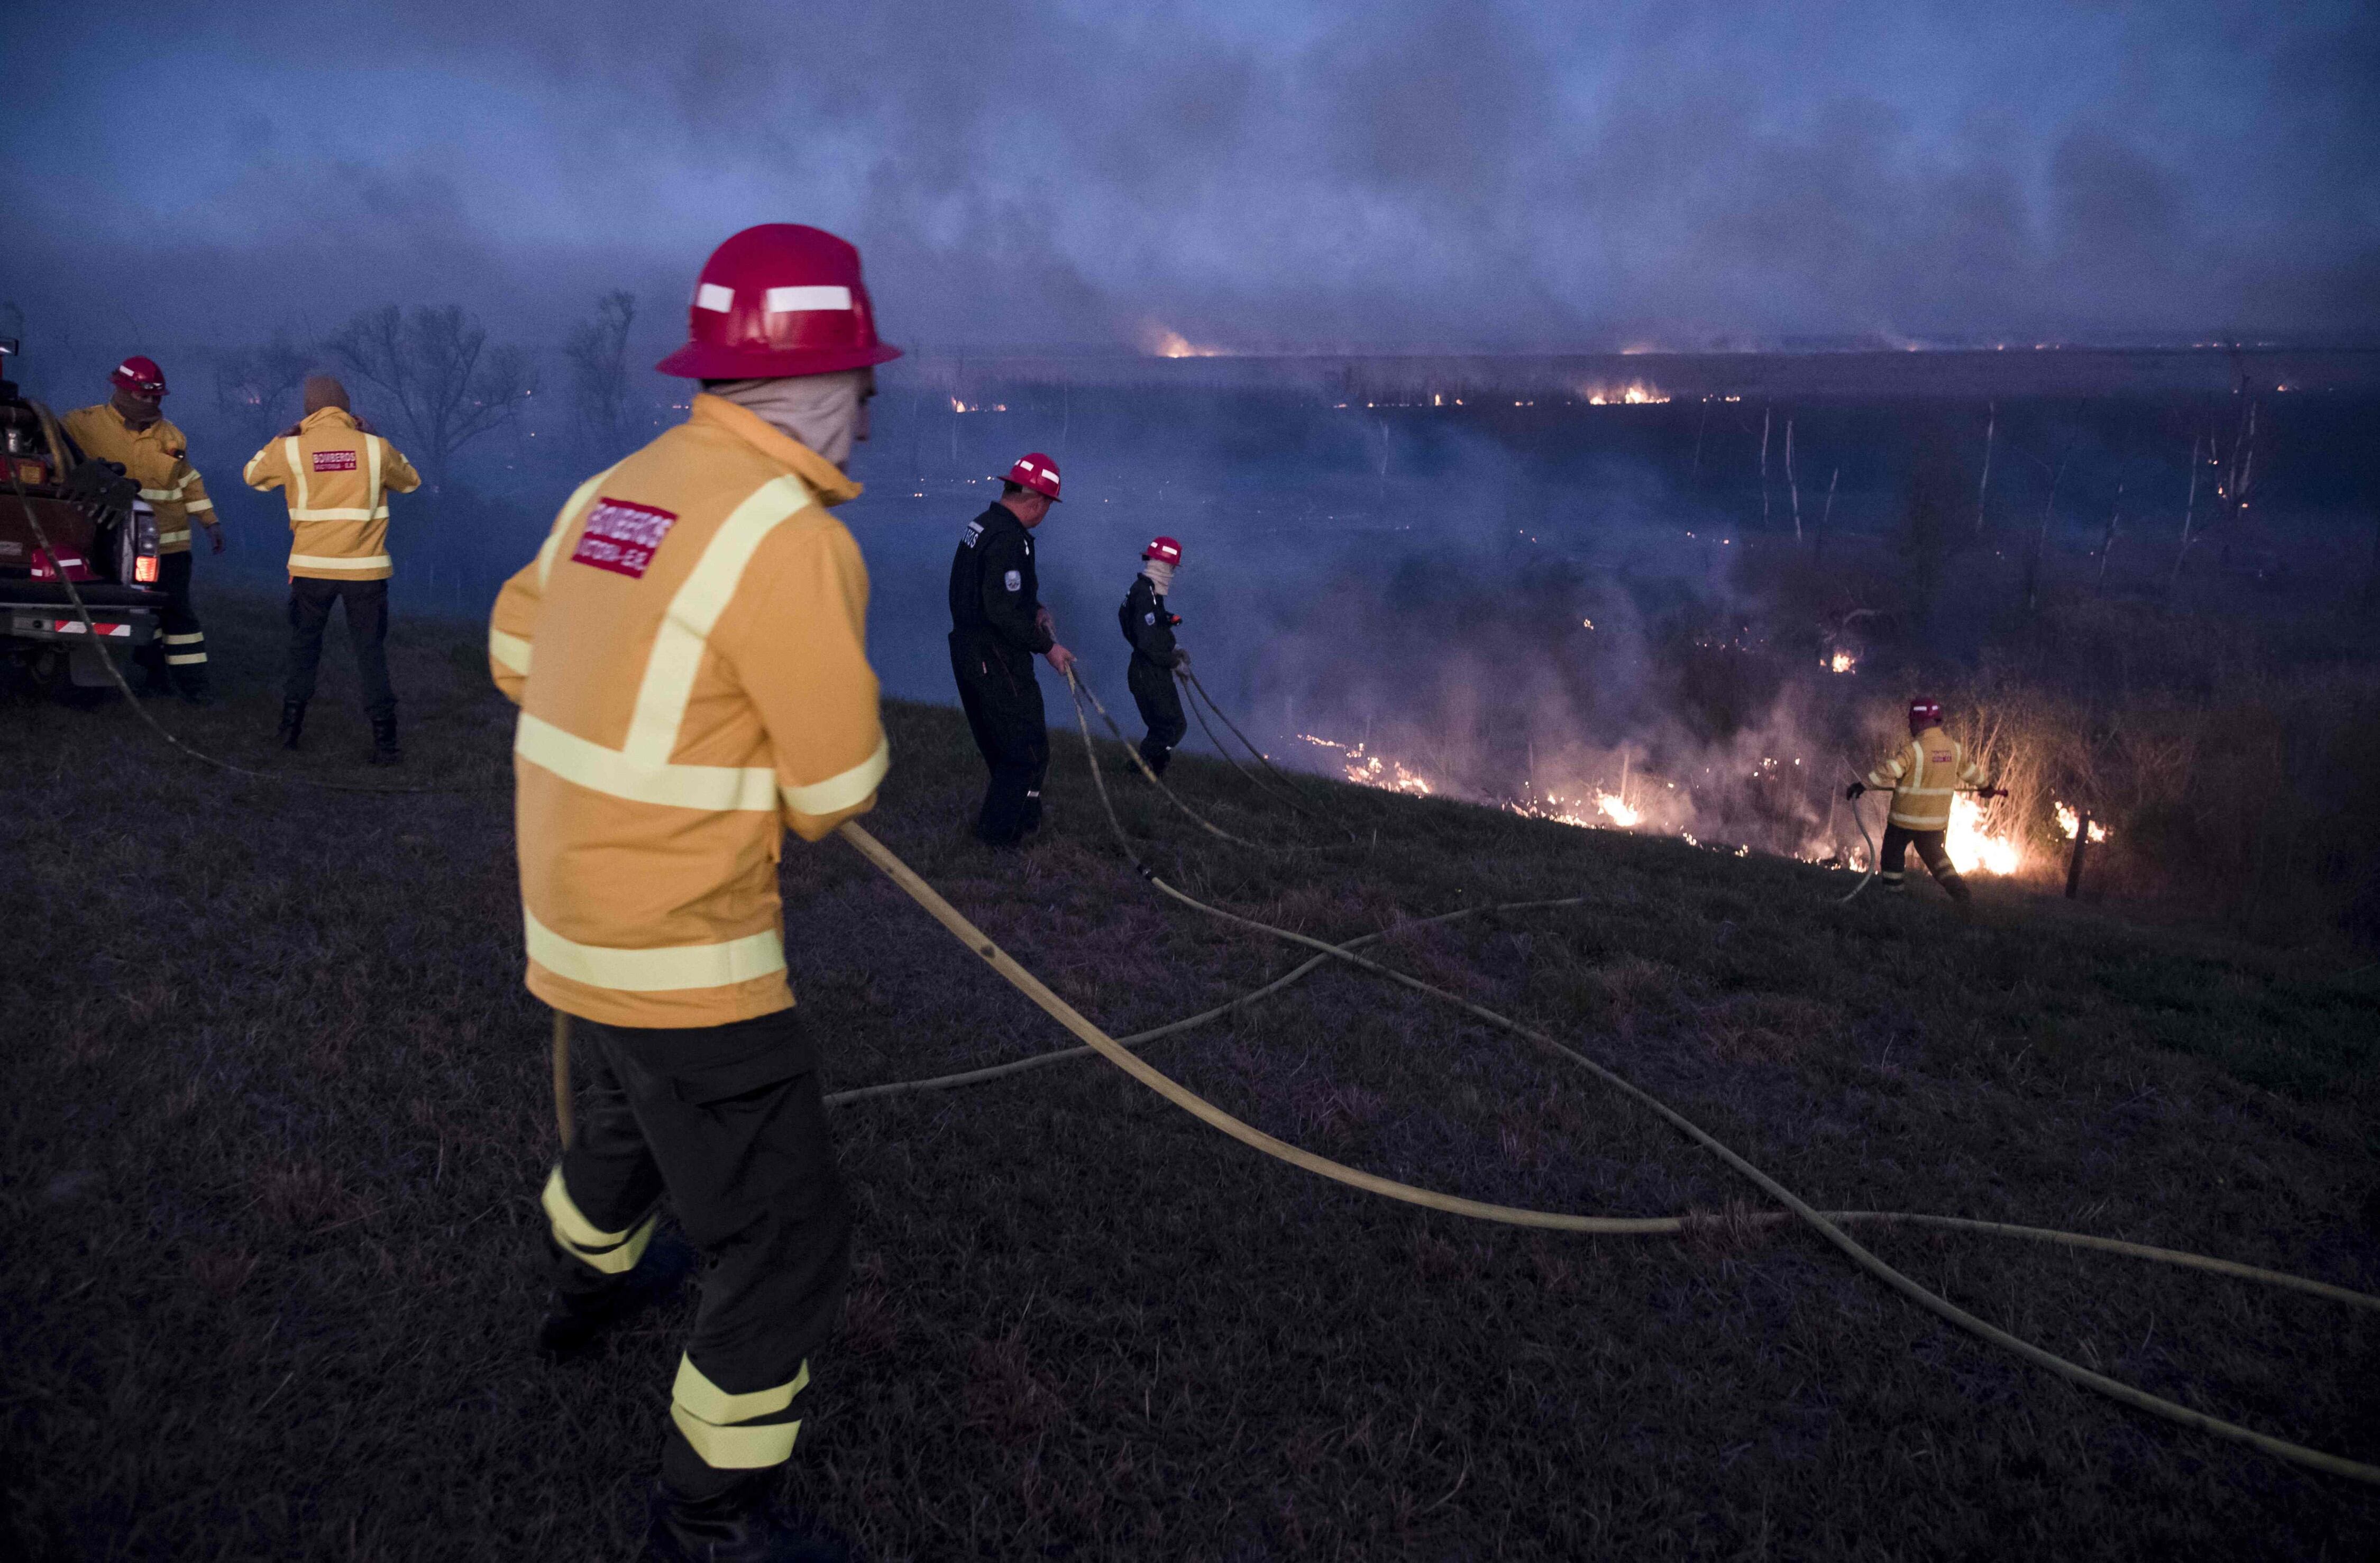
269	1163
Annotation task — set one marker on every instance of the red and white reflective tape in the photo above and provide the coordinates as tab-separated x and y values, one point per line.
73	627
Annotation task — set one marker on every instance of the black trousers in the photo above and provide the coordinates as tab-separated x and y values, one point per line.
1003	700
310	601
727	1121
178	655
1153	690
1930	851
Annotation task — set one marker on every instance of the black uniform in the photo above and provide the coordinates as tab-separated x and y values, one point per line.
995	635
1148	628
310	601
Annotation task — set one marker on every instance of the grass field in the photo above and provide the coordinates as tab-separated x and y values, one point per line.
278	1112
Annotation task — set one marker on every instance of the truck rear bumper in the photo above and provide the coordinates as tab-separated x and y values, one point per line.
115	627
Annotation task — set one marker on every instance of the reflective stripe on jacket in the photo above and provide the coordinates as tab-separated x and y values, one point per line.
1922	775
689	651
337	481
157	457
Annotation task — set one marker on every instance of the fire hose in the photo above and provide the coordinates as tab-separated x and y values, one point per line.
1827	1225
90	628
1287	791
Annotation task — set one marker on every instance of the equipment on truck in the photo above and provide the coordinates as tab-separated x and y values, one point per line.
64	518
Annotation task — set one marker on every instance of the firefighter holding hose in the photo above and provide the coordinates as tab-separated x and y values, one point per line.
688	653
1922	775
1148	628
997	627
131	429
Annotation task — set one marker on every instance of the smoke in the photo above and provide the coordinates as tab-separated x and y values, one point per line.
1410	174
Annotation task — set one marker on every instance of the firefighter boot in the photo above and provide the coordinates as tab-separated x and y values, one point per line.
384	750
738	1525
293	722
576	1321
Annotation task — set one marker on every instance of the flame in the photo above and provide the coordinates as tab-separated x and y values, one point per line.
1971	847
1373	771
2068	820
1618	811
1635	394
1841	662
1164	341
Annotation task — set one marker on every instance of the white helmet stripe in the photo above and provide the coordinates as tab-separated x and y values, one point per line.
787	300
710	296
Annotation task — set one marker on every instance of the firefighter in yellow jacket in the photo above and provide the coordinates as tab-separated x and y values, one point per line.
1922	775
129	429
687	651
338	475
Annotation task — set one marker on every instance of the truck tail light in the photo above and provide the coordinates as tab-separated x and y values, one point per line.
144	569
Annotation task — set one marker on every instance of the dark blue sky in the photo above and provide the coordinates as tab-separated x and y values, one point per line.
1256	173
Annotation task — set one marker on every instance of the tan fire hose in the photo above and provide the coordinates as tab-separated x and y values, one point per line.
561	1113
1084	691
1827	1225
1286	792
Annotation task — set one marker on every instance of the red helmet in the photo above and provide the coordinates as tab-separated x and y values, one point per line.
776	300
1034	471
1165	550
1923	713
136	373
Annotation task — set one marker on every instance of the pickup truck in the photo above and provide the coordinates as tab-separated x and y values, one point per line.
101	537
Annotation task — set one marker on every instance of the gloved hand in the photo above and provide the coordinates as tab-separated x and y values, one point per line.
1991	792
1060	658
1851	793
215	536
1181	659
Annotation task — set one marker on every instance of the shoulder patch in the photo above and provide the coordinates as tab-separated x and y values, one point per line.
1014	581
974	535
1149	618
621	537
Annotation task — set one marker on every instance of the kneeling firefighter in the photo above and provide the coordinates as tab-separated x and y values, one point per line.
1922	777
1149	627
998	624
688	653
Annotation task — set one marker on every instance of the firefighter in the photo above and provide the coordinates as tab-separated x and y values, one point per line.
687	651
1921	775
338	475
1149	629
997	625
129	429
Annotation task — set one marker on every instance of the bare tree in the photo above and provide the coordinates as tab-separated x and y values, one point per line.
598	351
2189	514
256	387
1984	489
448	385
2115	531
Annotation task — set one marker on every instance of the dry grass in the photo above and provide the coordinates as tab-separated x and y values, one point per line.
269	1160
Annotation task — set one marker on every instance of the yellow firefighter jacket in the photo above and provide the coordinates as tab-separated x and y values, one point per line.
158	458
688	652
1923	774
338	479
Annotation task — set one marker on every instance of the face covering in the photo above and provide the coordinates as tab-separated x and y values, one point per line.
1160	574
820	410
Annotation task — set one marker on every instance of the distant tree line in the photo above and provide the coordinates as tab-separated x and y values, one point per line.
435	378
